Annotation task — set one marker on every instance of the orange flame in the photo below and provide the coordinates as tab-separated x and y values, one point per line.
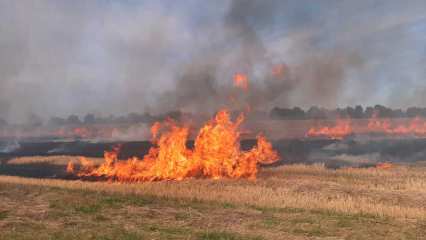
416	126
70	168
384	166
378	125
241	81
216	154
342	129
278	70
154	130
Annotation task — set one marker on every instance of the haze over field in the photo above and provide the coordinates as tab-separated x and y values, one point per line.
72	57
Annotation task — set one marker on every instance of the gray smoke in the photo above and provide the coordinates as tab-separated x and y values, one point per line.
9	147
328	60
206	82
73	57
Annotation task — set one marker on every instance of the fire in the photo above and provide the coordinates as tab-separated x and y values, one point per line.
384	166
342	129
378	125
70	167
154	130
82	132
278	70
416	126
216	155
241	81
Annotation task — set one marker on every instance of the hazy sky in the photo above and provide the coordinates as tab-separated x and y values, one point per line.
114	57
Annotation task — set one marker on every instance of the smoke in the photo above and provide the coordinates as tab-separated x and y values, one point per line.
206	82
329	56
60	57
9	147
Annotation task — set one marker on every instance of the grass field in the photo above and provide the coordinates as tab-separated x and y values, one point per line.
287	202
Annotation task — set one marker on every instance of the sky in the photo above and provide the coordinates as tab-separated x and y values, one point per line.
114	57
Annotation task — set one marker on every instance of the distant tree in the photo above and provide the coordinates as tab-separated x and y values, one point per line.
89	119
120	119
350	112
34	120
398	113
176	115
102	120
56	121
341	112
275	113
358	112
369	111
134	118
315	113
73	119
383	111
416	112
298	113
148	118
3	123
411	112
287	113
111	118
423	112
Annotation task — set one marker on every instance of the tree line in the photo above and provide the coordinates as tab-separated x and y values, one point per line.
295	113
356	112
34	120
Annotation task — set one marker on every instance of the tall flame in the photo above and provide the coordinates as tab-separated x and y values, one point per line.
216	154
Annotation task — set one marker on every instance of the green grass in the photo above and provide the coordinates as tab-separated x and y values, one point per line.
3	214
228	205
182	216
55	213
271	221
222	235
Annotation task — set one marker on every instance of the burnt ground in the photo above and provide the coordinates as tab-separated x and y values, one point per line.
351	152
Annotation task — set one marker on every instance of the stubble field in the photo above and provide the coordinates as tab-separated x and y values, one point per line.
285	202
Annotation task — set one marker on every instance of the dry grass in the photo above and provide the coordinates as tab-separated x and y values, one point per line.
54	160
398	192
37	212
287	202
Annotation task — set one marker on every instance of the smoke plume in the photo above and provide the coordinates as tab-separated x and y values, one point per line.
61	57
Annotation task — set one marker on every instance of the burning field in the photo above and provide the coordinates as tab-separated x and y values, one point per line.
339	179
329	178
212	120
216	154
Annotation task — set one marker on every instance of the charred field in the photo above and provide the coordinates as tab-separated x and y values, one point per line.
321	189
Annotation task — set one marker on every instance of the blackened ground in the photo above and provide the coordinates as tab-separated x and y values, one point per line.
332	153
